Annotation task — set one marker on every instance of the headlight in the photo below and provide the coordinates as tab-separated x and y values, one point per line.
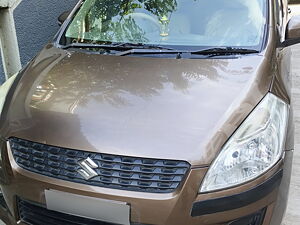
254	148
4	90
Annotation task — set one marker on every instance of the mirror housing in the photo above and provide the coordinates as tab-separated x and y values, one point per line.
63	17
292	35
293	28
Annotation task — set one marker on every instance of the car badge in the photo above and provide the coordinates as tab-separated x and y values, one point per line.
88	166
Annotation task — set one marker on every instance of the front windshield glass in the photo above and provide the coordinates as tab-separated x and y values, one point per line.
169	22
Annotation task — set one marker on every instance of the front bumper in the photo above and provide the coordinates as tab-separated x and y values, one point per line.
184	206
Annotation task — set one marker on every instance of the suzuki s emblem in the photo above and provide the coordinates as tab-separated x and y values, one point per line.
88	166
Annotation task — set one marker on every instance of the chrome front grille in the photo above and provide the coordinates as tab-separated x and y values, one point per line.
113	171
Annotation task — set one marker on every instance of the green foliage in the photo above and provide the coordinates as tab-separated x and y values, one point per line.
112	8
113	20
160	8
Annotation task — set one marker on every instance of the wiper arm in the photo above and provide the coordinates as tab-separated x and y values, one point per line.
224	51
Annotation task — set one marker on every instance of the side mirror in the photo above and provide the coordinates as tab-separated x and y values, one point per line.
63	17
292	35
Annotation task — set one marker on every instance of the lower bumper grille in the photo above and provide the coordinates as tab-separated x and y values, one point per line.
254	219
110	171
34	214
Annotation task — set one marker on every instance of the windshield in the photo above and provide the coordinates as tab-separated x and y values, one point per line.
169	22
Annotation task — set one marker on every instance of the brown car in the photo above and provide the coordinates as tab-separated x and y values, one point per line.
173	112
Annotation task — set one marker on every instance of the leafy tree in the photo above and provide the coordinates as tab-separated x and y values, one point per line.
114	19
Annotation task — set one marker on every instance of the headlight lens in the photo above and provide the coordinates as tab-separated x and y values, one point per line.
253	149
4	88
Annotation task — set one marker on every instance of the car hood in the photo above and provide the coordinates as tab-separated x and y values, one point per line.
183	109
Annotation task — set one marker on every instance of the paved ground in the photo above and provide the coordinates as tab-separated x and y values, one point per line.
293	213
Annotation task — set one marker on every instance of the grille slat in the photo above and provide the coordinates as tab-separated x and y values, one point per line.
119	172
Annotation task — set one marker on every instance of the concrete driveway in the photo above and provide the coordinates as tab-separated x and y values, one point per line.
293	214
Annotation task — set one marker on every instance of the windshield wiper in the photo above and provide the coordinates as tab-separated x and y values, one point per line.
224	51
115	46
141	46
148	51
207	51
86	45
